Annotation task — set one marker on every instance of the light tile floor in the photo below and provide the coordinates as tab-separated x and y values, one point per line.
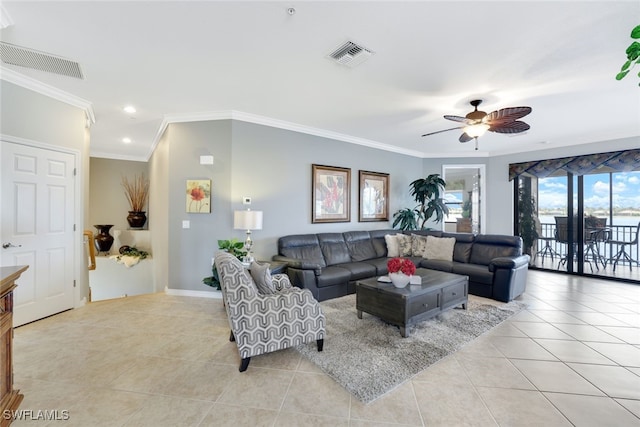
571	358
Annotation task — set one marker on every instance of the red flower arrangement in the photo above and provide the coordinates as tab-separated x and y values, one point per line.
401	265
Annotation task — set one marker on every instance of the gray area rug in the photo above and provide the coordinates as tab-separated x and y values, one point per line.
369	358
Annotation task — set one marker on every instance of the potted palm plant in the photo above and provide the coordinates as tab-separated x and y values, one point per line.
425	191
137	193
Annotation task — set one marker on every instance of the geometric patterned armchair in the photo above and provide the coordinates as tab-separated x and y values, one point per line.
262	323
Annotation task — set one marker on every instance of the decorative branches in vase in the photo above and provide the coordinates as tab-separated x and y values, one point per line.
137	193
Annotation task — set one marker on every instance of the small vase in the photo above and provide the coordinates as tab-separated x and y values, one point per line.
103	239
399	280
136	219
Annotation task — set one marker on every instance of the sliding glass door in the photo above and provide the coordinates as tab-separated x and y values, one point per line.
581	215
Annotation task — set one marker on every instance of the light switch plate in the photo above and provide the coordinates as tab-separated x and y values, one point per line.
186	224
246	200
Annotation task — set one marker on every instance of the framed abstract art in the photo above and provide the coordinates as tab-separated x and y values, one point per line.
374	196
330	194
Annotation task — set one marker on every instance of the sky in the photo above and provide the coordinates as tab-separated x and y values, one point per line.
552	192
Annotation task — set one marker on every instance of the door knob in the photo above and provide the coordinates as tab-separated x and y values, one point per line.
10	245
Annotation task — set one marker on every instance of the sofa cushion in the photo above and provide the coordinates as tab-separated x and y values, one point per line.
334	248
360	245
404	245
378	241
333	275
301	246
418	245
262	277
380	265
393	245
440	248
462	249
437	264
476	273
359	270
490	246
435	233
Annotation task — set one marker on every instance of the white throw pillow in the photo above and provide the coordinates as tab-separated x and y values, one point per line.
392	245
440	248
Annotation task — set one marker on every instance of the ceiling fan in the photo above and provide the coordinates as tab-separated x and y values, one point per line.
476	123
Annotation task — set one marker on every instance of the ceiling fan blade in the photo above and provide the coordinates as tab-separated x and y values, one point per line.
506	115
459	119
444	130
511	127
465	138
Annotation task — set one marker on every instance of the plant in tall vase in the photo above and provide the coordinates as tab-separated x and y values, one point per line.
426	192
137	193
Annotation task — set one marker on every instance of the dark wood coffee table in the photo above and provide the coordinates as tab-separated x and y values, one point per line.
407	306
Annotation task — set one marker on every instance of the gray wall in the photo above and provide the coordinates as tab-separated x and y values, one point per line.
273	167
35	117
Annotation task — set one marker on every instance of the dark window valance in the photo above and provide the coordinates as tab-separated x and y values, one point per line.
616	161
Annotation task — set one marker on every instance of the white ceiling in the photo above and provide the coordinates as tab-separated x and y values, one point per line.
254	61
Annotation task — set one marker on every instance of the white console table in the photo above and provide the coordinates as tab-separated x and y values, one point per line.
111	279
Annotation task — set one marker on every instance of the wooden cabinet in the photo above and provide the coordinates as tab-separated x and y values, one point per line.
9	398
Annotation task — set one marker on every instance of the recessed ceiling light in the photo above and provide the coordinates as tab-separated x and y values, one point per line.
126	140
129	109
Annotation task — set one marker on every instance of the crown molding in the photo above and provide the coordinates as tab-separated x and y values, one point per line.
47	90
274	123
5	18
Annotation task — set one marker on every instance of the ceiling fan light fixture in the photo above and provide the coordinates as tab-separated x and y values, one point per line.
477	130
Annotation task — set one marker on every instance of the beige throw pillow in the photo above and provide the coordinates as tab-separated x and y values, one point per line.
392	245
440	248
418	245
404	245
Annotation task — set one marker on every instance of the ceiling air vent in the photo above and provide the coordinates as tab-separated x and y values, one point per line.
350	54
29	58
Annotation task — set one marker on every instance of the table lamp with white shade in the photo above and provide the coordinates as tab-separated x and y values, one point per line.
247	220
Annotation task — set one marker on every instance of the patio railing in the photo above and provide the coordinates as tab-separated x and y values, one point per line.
605	248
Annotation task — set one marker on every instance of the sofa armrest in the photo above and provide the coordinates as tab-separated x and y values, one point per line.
302	264
508	262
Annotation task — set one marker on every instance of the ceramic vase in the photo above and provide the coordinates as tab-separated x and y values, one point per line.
399	280
136	219
103	239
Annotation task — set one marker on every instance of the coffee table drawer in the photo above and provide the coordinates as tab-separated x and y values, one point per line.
423	304
454	293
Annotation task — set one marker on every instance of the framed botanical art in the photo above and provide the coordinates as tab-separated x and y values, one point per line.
198	196
330	194
374	196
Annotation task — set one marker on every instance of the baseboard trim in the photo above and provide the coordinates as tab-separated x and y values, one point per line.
188	293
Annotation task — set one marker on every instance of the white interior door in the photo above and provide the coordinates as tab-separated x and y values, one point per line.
37	221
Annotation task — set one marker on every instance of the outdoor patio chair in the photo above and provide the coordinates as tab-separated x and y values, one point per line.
622	253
